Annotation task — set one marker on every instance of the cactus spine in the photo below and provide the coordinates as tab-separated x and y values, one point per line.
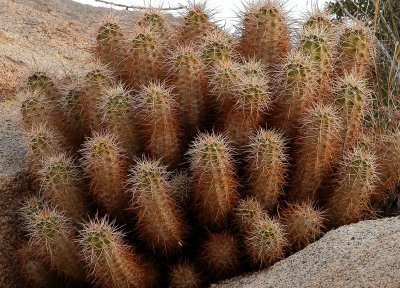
111	262
61	184
52	235
221	255
158	117
159	218
184	275
265	33
246	212
117	107
351	98
318	149
189	76
216	46
213	179
154	19
355	182
105	164
33	108
267	167
303	224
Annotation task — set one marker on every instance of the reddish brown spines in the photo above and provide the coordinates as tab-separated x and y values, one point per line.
184	275
298	92
91	88
265	241
159	218
220	255
145	50
196	23
189	77
355	183
61	183
265	33
352	97
111	262
52	236
356	49
318	149
118	116
267	168
105	164
155	20
157	110
246	212
214	179
110	43
182	189
303	224
216	46
252	99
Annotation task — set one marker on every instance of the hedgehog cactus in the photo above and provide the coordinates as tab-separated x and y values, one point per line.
182	189
159	218
356	49
42	83
158	118
265	33
189	76
303	224
216	46
213	179
61	184
265	241
154	19
318	148
320	19
110	261
220	254
267	168
33	108
355	183
246	211
184	275
317	43
351	98
52	235
117	107
196	23
145	50
105	164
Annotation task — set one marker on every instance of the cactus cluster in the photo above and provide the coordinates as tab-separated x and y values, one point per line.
184	154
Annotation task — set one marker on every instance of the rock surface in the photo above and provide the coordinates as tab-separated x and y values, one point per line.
360	255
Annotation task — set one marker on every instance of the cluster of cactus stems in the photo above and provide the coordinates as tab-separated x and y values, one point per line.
216	153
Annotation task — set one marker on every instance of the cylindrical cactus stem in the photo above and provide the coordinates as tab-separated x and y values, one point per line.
317	43
33	108
303	224
298	92
61	183
157	111
105	164
118	116
246	211
388	159
52	235
214	179
356	49
110	261
35	271
155	19
145	51
355	183
182	190
184	275
223	79
267	169
320	18
352	95
91	91
220	255
216	46
110	41
253	67
189	77
318	149
42	83
196	23
265	33
160	221
265	241
42	143
252	99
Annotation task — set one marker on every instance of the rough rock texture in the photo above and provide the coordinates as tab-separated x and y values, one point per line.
360	255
